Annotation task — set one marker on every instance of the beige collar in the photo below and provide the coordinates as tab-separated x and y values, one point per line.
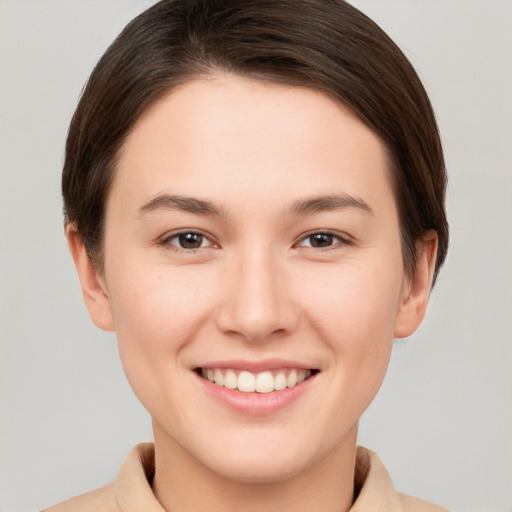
133	493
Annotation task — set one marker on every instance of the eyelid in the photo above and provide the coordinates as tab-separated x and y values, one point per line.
344	239
165	240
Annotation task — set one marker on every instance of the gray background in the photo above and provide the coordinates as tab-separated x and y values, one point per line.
442	422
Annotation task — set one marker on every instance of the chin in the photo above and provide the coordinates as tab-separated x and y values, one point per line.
270	469
260	458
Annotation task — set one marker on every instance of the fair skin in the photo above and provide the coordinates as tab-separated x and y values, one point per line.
255	274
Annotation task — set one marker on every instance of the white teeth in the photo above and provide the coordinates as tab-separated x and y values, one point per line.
280	381
246	382
219	378
263	382
291	380
230	380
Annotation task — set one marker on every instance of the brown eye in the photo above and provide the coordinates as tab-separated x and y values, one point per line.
322	240
188	240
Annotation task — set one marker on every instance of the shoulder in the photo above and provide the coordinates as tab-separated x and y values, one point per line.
100	500
412	504
375	490
131	489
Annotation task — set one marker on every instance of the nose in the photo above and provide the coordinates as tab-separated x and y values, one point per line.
257	305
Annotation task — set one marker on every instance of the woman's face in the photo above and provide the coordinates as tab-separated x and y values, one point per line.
252	237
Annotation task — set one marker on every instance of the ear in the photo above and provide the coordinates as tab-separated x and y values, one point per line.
413	305
93	285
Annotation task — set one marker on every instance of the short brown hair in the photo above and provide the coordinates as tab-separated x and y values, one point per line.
326	45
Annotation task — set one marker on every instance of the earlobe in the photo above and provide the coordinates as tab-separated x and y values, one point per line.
414	302
93	285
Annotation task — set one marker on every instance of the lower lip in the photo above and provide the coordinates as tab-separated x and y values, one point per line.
256	404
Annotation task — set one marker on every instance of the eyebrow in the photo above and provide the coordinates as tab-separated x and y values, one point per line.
303	206
180	203
327	203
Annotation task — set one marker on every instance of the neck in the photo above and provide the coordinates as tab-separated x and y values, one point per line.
183	484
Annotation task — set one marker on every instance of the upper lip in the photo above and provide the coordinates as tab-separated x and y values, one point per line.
257	366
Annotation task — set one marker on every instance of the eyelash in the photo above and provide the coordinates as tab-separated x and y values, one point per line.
341	240
168	241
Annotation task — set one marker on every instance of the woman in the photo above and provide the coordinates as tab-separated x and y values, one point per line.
254	199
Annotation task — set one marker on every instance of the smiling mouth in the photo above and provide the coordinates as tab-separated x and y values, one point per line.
261	382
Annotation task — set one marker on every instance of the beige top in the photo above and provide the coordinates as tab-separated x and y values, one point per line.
131	490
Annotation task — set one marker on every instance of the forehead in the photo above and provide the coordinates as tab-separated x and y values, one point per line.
227	134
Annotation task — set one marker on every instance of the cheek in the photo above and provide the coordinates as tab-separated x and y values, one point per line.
156	316
355	304
354	313
157	304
